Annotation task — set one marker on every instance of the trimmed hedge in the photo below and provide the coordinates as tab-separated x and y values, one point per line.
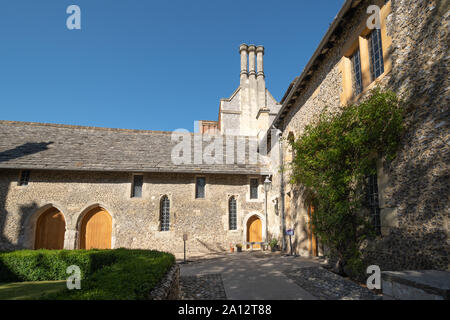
41	265
105	274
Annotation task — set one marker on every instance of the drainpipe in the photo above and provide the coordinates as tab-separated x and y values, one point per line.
267	185
283	227
265	211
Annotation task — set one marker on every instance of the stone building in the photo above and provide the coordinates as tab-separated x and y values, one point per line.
83	187
409	55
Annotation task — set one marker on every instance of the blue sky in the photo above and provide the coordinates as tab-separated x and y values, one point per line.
154	65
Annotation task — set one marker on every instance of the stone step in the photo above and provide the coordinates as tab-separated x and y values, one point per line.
416	285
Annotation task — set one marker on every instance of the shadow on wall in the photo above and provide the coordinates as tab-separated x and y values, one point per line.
24	150
298	199
25	213
421	254
418	185
5	244
5	180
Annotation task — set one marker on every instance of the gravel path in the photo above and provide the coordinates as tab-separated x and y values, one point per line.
326	285
202	287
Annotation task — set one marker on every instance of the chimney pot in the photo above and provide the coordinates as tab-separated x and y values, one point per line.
259	60
243	52
251	60
243	47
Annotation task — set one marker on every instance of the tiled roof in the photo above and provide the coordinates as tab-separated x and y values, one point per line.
28	145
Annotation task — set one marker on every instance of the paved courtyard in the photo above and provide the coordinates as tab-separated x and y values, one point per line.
264	276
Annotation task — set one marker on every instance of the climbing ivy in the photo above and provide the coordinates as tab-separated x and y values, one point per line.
333	158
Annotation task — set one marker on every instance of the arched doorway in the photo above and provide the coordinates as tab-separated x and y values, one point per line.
254	231
50	230
96	229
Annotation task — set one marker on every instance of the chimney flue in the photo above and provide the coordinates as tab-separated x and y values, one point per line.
243	51
251	60
259	60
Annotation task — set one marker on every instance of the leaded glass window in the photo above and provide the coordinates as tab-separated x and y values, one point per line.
356	71
165	214
254	188
232	213
24	178
372	202
376	54
200	188
136	191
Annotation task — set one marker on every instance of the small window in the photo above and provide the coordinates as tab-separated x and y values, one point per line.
376	54
200	188
165	214
24	178
372	202
356	73
137	186
254	188
232	213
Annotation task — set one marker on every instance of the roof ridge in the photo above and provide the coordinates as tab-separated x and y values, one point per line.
71	126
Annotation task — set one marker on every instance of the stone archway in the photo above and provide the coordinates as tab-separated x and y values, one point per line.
50	230
254	231
96	229
245	224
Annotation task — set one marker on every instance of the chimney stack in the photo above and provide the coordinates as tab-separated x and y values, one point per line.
262	103
243	51
251	60
254	112
259	60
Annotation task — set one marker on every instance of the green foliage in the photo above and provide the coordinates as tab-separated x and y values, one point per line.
332	160
39	265
273	242
106	274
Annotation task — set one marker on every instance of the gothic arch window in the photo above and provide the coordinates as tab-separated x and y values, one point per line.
165	214
232	213
373	202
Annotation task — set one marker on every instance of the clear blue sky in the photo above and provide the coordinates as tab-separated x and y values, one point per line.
154	65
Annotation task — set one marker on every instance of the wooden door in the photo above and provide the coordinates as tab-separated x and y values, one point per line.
50	230
96	230
311	235
254	231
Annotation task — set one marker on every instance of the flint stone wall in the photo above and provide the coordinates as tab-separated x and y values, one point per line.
169	287
135	221
413	188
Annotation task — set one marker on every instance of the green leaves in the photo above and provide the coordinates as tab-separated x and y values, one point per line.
335	155
106	274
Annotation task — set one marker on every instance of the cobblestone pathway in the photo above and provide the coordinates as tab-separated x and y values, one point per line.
326	285
202	287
